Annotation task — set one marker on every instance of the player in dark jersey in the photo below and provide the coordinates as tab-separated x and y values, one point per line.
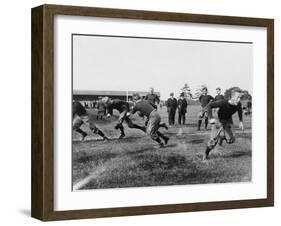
79	117
204	100
154	119
219	96
152	97
124	108
226	108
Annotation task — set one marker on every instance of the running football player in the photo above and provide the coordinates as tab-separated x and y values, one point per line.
226	108
124	108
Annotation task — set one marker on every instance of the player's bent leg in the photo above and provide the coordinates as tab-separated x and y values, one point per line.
214	138
166	139
134	126
96	130
152	128
163	125
121	127
122	117
229	136
154	136
83	133
210	146
77	123
230	141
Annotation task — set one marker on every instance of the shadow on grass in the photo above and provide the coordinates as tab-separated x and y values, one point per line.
234	154
237	154
100	140
125	139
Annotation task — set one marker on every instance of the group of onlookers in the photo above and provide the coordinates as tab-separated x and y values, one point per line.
173	105
180	105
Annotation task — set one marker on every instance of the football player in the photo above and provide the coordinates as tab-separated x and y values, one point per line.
226	108
81	116
154	119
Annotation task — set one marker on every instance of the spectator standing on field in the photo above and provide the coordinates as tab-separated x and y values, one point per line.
172	105
182	105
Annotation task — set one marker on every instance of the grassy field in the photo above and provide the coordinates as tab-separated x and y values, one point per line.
137	161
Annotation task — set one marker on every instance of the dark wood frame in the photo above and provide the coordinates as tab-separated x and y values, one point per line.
42	202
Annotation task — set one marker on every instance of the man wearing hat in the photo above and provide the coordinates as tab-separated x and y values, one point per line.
172	105
182	105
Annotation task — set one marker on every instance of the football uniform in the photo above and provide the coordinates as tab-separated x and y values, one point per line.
204	101
153	98
154	119
123	107
219	97
225	112
81	116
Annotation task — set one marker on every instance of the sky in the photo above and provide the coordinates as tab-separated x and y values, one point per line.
136	64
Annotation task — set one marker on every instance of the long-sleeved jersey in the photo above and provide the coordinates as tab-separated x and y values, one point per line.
219	97
144	107
226	110
205	99
119	105
78	109
153	98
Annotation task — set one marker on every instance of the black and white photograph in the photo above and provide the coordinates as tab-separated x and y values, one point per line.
150	111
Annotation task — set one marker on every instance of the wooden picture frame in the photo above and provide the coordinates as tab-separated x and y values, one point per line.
42	205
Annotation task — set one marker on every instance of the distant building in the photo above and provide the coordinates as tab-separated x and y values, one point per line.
88	95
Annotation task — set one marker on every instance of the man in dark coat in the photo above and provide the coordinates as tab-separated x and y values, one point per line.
172	105
182	105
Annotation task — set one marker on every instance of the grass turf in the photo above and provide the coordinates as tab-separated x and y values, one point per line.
136	160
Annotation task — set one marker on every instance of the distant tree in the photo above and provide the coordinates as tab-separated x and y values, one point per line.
185	90
245	93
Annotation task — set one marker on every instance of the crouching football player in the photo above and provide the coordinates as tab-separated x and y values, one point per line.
123	108
80	116
145	108
226	108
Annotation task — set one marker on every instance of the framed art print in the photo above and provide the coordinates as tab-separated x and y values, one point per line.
142	112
